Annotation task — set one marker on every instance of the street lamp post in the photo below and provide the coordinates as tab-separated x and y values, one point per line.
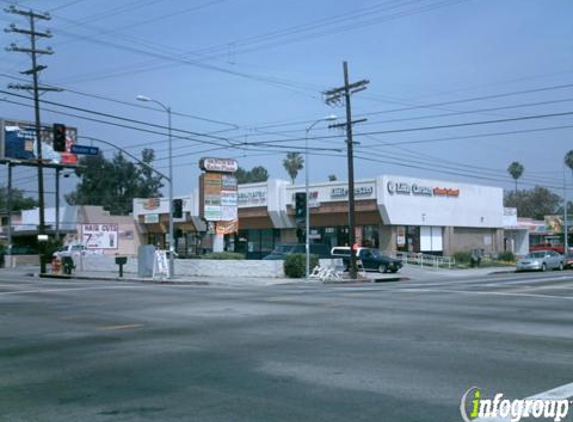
170	235
307	213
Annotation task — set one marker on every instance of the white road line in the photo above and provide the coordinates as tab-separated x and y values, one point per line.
559	393
475	292
69	290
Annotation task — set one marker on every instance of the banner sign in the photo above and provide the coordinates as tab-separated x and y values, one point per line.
100	236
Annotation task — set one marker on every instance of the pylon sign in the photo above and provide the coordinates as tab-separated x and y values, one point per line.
218	189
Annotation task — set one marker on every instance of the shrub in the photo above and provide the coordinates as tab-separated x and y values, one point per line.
223	255
506	256
295	263
463	257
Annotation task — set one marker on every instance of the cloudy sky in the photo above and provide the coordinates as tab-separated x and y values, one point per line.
458	88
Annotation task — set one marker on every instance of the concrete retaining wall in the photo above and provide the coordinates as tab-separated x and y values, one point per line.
190	267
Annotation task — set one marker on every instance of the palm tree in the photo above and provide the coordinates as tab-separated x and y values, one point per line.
516	170
292	164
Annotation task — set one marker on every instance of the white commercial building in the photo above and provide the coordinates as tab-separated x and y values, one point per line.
393	213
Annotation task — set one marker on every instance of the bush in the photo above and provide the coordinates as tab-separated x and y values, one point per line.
295	264
223	255
463	257
506	256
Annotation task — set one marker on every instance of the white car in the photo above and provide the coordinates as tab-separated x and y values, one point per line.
541	261
73	249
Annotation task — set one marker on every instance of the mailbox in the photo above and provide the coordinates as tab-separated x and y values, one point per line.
121	261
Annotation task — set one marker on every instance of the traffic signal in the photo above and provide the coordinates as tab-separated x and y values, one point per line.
59	143
300	207
178	208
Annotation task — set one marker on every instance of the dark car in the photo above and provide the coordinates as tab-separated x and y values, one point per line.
372	259
281	251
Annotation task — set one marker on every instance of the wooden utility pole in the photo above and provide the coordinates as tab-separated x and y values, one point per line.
33	51
335	96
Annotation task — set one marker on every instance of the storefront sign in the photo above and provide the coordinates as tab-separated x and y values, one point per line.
403	188
252	198
151	204
219	165
359	192
151	218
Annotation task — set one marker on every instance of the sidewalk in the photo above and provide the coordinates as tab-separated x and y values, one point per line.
409	272
415	272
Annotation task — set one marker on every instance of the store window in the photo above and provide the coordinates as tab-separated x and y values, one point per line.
431	239
256	244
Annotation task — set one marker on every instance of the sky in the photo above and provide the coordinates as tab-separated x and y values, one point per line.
458	89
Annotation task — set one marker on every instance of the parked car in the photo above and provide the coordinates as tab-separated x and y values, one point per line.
281	251
73	249
541	261
372	259
568	260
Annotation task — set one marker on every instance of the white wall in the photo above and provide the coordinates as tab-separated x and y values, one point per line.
473	206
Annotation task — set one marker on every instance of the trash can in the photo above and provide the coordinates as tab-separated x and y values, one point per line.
68	264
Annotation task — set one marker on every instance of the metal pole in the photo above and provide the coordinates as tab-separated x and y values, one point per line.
171	241
57	204
9	211
307	213
565	215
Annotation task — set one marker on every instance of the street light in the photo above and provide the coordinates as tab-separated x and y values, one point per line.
170	236
307	213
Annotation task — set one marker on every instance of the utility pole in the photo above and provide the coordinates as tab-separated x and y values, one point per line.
565	217
334	96
9	212
35	88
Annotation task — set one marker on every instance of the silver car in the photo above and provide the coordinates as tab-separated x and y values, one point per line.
541	261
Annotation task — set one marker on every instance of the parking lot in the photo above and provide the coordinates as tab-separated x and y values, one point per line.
405	351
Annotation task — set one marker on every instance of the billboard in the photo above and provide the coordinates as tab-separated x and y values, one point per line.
100	236
18	142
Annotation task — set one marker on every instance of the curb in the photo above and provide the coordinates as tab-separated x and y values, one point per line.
131	280
367	280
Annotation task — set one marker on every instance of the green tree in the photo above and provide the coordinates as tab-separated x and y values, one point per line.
569	160
516	170
332	178
19	200
533	203
256	174
292	164
113	184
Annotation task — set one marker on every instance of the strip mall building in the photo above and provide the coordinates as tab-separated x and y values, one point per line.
393	213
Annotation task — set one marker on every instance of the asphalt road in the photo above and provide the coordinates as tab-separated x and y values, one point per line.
110	351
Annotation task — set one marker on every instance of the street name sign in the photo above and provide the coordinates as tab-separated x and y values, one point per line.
84	150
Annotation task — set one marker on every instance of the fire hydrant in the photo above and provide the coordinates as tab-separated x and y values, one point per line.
56	266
